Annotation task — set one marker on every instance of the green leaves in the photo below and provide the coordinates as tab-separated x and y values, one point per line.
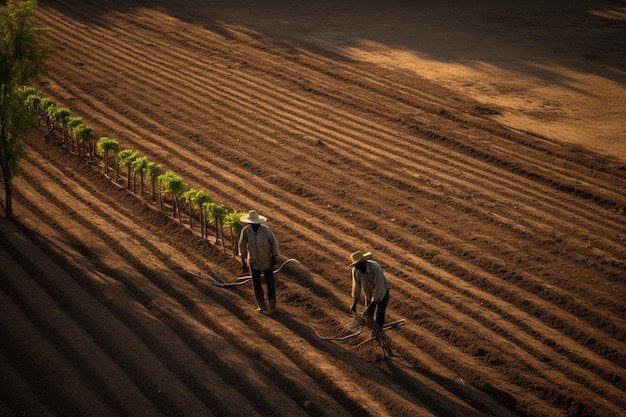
126	157
21	60
172	184
106	145
232	220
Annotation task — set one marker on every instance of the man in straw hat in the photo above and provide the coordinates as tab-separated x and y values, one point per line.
369	275
258	249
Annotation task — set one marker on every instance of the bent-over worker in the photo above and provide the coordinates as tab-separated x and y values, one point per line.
369	276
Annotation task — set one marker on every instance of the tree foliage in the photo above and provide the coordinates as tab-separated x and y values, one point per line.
106	146
173	186
125	159
189	196
215	214
140	167
199	200
233	221
21	61
153	171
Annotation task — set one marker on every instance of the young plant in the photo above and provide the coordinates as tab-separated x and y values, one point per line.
154	170
216	214
232	221
200	199
61	116
45	103
188	196
24	91
85	134
139	166
173	186
72	123
33	102
49	110
106	146
125	159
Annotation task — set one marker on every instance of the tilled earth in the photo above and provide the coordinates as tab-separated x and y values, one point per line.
506	250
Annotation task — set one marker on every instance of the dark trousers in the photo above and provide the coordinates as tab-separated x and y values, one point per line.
269	281
381	308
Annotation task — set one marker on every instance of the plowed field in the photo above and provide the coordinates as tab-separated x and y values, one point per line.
496	216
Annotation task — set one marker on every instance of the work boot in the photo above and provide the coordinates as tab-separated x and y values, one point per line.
272	308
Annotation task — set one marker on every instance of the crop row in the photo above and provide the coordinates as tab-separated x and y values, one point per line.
168	190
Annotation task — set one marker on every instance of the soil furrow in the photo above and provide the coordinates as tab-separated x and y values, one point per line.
60	330
26	345
504	247
51	198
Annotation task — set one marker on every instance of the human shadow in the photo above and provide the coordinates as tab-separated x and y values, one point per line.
413	384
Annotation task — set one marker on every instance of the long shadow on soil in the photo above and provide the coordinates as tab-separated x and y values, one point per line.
436	403
478	399
531	37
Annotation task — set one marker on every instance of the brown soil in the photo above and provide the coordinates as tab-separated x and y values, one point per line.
477	151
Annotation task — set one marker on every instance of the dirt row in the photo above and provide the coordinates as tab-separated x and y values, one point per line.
505	250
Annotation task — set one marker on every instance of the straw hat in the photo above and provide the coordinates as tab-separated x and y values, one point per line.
358	257
253	218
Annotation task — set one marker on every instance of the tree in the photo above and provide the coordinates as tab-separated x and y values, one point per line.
72	124
45	104
29	96
106	146
173	185
83	134
21	61
51	108
216	214
87	134
25	91
125	159
232	220
33	102
199	200
60	118
154	170
189	196
139	166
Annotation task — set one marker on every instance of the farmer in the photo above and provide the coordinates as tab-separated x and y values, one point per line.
258	249
369	275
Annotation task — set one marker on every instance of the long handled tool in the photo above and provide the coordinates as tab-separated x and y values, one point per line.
378	333
240	280
246	278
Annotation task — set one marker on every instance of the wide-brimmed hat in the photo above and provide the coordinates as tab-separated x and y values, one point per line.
358	257
252	217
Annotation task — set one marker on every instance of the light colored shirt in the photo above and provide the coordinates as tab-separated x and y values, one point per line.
373	281
258	247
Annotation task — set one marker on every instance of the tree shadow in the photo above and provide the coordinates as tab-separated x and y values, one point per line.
533	38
